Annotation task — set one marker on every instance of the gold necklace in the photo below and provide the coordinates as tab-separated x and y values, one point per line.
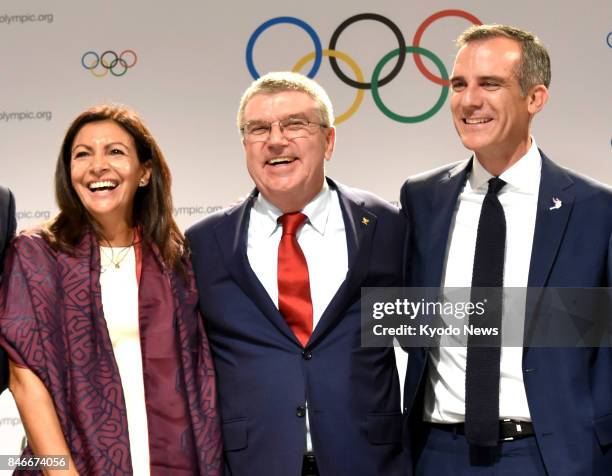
123	253
115	261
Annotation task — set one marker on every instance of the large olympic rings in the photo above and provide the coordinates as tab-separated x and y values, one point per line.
416	41
358	74
294	21
109	60
368	16
375	82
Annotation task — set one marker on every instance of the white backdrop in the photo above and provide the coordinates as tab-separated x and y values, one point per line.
186	68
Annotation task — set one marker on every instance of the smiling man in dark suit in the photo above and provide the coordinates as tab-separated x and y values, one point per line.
508	216
279	278
8	225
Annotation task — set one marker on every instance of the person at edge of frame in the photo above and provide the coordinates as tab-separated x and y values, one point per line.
8	226
507	216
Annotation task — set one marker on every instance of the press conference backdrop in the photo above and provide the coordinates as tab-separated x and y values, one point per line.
183	66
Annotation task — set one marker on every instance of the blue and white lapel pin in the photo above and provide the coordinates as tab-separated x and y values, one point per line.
557	203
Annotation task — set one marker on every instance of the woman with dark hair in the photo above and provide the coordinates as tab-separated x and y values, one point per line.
109	362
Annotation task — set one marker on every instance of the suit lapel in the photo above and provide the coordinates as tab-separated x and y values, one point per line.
549	229
550	226
359	224
442	209
235	225
551	222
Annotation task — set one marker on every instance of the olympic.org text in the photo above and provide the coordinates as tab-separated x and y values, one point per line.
7	19
195	210
33	214
7	421
25	116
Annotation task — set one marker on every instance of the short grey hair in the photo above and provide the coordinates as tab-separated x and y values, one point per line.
277	82
534	67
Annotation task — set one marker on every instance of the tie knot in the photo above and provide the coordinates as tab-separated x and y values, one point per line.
495	185
291	222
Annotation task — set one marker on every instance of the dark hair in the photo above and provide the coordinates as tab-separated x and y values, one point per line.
534	67
152	203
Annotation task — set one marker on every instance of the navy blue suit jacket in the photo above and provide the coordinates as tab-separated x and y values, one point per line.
569	390
264	375
7	232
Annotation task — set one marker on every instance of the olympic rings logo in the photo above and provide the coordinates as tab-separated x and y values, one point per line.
100	65
376	81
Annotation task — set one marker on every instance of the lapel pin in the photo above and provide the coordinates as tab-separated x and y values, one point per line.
365	221
557	203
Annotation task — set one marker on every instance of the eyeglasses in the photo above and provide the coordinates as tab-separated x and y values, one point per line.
291	128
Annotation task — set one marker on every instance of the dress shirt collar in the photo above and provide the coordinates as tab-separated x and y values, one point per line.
317	211
523	176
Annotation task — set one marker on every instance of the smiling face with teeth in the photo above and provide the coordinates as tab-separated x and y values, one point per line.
490	113
288	173
105	172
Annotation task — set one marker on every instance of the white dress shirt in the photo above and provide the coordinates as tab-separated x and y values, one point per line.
445	390
323	242
322	239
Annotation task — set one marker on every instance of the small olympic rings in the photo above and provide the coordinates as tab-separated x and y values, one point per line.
376	82
109	61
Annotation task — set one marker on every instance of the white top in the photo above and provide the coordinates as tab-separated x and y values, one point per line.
323	242
120	304
445	390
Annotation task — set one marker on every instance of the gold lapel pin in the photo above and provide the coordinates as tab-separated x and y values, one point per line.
365	221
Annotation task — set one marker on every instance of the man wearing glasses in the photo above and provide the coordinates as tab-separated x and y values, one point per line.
279	279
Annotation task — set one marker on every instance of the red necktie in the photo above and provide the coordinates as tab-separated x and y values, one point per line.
294	300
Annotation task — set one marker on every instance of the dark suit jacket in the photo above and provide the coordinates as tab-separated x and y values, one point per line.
264	375
569	390
8	225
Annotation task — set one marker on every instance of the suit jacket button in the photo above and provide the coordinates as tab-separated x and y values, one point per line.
306	355
300	411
